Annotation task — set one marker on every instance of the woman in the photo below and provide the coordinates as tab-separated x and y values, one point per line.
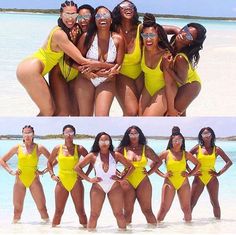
104	161
207	152
27	173
129	83
184	84
153	98
96	90
67	155
62	76
176	177
138	186
31	71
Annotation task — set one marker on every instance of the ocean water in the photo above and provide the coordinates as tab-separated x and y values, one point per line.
202	215
22	34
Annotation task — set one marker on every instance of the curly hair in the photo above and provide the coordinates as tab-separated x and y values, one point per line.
192	50
126	140
117	19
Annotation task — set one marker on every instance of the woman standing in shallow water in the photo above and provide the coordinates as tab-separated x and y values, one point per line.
104	160
138	186
68	182
176	177
27	173
206	152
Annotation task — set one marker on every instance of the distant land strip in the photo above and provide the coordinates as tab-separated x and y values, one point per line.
56	11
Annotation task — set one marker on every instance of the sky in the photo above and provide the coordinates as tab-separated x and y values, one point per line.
156	126
211	8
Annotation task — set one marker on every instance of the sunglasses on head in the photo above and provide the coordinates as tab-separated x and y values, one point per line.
102	16
85	17
70	15
188	35
148	35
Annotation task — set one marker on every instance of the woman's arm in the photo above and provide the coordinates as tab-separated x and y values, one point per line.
197	164
129	168
45	152
6	157
156	162
162	158
225	157
171	29
51	162
83	151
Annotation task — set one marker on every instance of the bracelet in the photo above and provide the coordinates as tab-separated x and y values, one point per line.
52	175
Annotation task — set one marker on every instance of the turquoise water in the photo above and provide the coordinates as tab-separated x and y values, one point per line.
227	180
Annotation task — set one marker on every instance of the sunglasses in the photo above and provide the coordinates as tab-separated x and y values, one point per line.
206	135
85	17
102	16
179	141
126	6
188	35
70	15
28	134
148	35
134	135
70	133
104	142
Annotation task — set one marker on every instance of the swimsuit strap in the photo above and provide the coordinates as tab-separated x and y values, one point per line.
50	38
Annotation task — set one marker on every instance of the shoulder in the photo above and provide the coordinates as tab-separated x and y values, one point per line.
59	35
164	154
181	58
117	38
195	148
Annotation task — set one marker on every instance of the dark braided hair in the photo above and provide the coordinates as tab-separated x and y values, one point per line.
68	31
149	20
176	132
88	7
213	136
192	51
92	29
28	126
116	16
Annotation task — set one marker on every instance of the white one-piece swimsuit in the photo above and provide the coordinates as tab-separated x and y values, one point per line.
106	182
93	54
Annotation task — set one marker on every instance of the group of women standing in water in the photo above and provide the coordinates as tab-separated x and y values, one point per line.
94	55
123	183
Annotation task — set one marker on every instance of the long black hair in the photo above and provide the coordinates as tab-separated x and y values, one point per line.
192	50
95	148
116	15
126	139
176	132
149	20
92	29
213	136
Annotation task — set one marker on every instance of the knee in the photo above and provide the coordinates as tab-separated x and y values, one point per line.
118	214
147	211
48	111
131	111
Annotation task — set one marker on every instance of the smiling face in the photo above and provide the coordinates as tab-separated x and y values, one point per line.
103	19
186	36
206	136
177	142
28	135
127	10
104	142
84	18
69	16
150	38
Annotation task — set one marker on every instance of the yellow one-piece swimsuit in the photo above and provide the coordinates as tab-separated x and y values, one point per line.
48	57
192	75
207	162
176	167
27	164
131	65
66	164
136	177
